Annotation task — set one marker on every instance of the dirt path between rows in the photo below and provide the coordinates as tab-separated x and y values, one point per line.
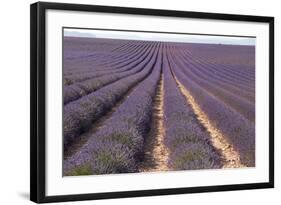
231	158
155	152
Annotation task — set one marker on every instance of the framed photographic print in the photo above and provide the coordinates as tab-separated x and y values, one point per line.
129	102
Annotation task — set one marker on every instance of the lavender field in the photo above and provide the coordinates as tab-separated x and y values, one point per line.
145	106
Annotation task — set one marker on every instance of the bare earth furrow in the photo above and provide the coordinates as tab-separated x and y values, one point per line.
231	157
155	152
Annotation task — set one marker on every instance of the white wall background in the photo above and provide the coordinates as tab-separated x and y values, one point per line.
14	102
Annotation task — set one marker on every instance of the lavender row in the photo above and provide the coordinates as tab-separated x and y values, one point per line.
75	47
105	61
239	131
122	55
92	73
203	69
220	82
234	71
88	52
243	72
94	64
80	114
239	70
242	106
188	142
88	48
117	147
77	90
219	72
240	58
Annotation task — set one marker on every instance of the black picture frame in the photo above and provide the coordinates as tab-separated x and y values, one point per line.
38	101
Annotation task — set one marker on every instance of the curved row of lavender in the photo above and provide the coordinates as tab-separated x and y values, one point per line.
189	144
96	57
212	85
80	114
241	59
239	130
112	66
232	84
99	73
239	75
240	69
221	72
77	90
117	147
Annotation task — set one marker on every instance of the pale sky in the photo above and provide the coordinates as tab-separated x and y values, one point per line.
184	38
